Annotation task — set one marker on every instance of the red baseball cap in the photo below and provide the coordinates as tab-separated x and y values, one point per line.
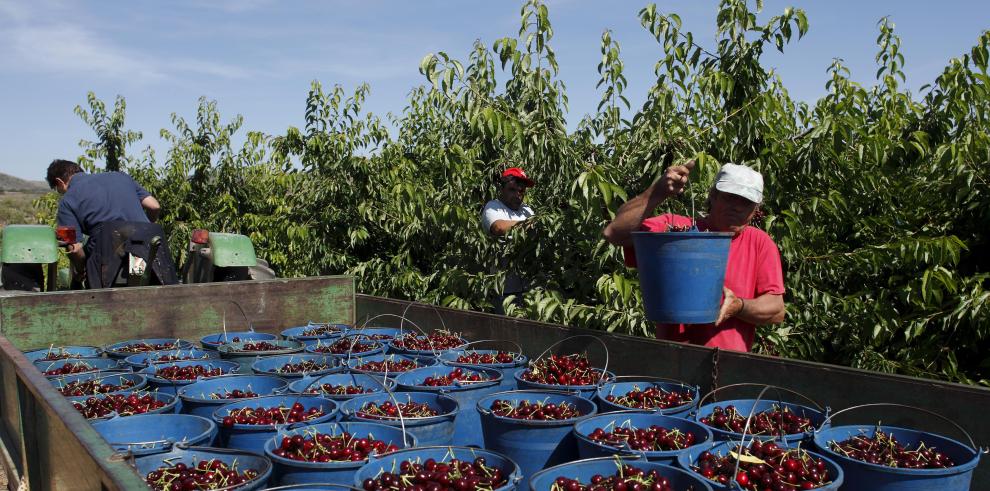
518	174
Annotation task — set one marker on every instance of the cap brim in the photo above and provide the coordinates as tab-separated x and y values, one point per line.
738	190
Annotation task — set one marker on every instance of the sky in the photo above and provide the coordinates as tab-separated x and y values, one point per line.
257	58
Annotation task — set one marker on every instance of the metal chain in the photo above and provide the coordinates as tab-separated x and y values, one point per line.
715	373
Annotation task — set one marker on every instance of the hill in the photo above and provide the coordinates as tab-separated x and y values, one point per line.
10	183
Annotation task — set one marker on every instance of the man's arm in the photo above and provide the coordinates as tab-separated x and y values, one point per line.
151	207
502	227
632	213
765	309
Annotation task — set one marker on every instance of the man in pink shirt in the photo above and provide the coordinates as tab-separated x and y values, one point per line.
754	281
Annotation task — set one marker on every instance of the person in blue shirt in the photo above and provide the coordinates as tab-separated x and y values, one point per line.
91	200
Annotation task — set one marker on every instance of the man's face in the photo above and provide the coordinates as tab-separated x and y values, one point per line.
513	193
730	212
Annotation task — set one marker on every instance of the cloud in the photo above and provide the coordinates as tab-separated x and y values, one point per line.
58	47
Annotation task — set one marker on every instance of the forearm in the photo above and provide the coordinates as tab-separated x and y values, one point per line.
502	227
632	213
152	208
765	309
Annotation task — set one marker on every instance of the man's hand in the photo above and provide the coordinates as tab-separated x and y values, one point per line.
731	306
675	179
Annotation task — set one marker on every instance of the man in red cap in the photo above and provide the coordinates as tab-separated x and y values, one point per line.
500	215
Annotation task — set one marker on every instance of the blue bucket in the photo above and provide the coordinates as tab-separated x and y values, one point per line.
588	448
170	403
296	333
383	335
197	397
467	426
743	406
235	352
434	430
172	386
586	391
584	470
393	347
144	434
392	462
682	274
272	365
621	386
289	471
214	341
863	476
142	360
369	346
120	350
535	445
421	361
253	437
314	385
721	448
193	455
64	384
85	365
70	351
508	370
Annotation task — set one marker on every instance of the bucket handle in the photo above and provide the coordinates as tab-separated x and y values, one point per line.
972	443
402	320
601	379
749	418
368	321
224	321
430	305
391	395
519	353
748	384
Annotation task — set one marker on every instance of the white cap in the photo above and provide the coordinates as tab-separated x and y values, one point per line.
741	181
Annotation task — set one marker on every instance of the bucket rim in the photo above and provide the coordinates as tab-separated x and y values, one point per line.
217	417
496	379
607	378
182	392
514	477
485	412
632	459
281	432
346	406
151	371
707	434
969	465
691	234
688	458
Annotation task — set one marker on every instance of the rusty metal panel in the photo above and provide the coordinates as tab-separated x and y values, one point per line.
100	317
835	386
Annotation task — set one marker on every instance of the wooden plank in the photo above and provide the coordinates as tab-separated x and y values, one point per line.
11	435
836	386
100	317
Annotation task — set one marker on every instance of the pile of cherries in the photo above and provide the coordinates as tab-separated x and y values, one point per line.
145	347
344	346
884	449
626	478
165	358
304	367
234	394
92	387
388	410
72	367
124	405
765	465
652	398
320	447
207	474
652	439
434	341
383	366
56	354
457	375
457	475
574	369
776	421
321	330
475	358
270	416
188	372
259	346
338	390
538	411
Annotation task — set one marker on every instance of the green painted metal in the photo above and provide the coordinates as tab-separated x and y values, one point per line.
29	244
231	250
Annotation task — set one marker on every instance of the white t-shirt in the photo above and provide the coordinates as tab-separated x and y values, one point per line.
495	210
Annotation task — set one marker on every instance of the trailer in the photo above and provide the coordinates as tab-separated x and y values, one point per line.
46	444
